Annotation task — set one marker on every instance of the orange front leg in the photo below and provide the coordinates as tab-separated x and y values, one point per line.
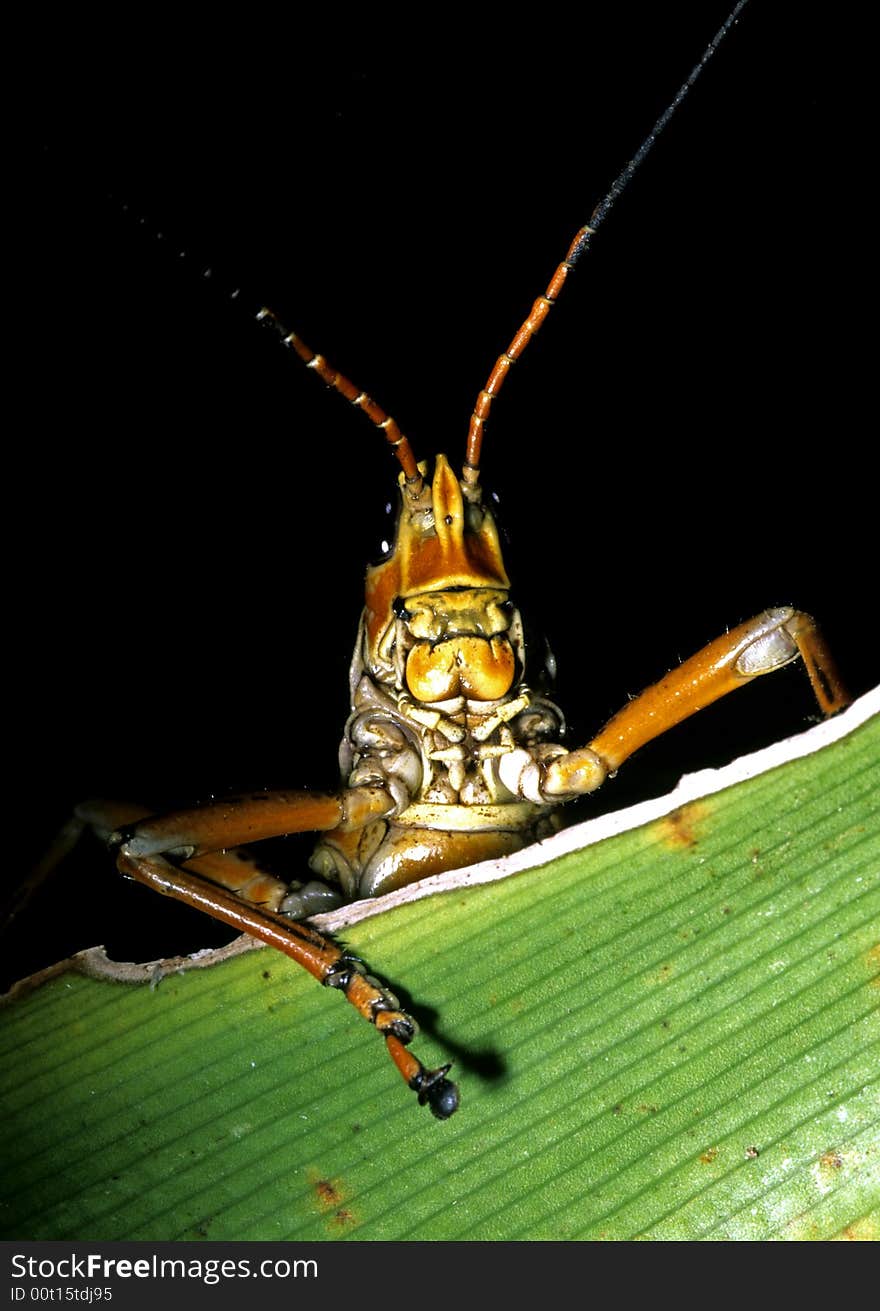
329	964
228	884
761	645
210	882
184	834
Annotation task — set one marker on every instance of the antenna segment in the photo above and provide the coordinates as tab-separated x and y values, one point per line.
542	306
338	381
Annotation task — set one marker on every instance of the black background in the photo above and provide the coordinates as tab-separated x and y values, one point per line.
192	512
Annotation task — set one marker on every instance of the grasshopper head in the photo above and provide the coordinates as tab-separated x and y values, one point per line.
446	579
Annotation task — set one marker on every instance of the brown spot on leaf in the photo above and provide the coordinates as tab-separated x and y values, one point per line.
682	827
830	1160
803	1230
709	1155
863	1230
331	1200
874	965
329	1193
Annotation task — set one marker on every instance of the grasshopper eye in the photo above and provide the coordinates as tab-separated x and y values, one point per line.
386	543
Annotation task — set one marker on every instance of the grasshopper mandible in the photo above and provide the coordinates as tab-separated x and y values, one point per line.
449	756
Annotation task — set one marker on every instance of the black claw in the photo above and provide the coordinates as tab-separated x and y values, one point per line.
437	1092
443	1099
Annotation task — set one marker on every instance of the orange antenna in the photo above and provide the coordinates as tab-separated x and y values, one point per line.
543	304
338	381
396	439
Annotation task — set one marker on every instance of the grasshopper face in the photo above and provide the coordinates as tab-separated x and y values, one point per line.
438	610
462	645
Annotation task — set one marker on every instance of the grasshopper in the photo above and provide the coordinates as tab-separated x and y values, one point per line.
450	755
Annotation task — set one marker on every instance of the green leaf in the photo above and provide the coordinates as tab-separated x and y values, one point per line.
672	1034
